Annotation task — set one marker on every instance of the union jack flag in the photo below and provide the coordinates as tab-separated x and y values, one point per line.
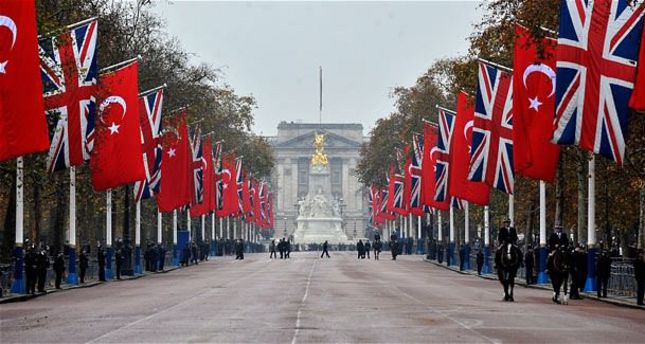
217	168
597	52
491	153
384	213
198	166
458	203
150	108
396	181
68	70
415	172
239	179
443	152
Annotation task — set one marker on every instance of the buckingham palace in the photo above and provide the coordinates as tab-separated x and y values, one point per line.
293	147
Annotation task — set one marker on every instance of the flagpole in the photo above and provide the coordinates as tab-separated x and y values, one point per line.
189	226
439	237
159	227
221	228
203	227
175	249
146	92
108	234
213	234
467	235
486	267
137	238
119	65
497	65
511	209
18	284
234	229
228	227
419	244
590	284
541	277
451	243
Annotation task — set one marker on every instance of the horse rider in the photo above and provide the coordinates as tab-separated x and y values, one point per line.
507	235
557	239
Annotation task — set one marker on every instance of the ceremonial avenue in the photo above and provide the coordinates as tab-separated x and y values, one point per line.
336	300
322	172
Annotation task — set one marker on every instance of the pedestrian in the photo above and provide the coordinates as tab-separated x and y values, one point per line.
195	253
100	257
287	249
639	274
118	257
59	268
31	266
462	257
324	249
394	247
480	262
529	264
42	266
83	263
368	248
161	255
360	249
185	255
239	249
272	253
378	245
281	248
578	272
603	272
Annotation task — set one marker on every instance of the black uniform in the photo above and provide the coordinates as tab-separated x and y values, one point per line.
272	253
324	250
578	273
195	253
378	245
59	268
42	266
31	268
639	274
83	264
507	235
118	256
561	239
603	272
100	256
287	248
161	256
368	247
239	249
360	248
394	247
480	262
529	265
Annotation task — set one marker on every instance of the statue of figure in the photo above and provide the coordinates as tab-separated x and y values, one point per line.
335	206
319	158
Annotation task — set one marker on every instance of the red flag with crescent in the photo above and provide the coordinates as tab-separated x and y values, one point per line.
116	157
23	127
230	204
176	165
534	155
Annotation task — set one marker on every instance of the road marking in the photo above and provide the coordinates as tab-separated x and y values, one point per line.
302	303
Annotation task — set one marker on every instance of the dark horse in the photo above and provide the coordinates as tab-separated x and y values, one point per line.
509	260
559	265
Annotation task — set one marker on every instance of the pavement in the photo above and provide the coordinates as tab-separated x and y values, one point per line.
310	300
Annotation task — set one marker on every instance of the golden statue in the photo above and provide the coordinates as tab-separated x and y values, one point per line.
319	157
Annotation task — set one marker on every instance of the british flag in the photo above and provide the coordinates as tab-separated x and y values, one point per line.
217	168
596	65
239	179
68	70
442	152
150	108
396	181
198	165
416	207
491	152
458	203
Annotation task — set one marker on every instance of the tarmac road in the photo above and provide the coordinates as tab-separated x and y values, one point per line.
311	300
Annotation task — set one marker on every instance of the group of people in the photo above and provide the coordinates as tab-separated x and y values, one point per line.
283	246
194	252
37	261
363	249
154	257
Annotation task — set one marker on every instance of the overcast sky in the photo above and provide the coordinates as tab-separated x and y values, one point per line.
272	51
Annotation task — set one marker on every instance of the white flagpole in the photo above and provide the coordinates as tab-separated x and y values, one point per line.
410	226
159	227
174	227
486	227
466	222
213	226
591	207
221	228
189	225
72	207
20	229
108	218
234	229
511	209
439	227
542	213
137	224
452	225
418	227
228	227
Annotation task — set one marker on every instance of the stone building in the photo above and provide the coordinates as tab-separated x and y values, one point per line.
293	146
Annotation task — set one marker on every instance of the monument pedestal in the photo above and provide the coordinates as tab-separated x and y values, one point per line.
319	230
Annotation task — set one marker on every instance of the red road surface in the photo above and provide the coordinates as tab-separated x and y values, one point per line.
310	300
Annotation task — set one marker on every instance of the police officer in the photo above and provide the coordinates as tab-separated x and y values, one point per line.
324	249
394	247
272	253
59	268
639	274
118	256
361	249
100	257
161	256
507	235
84	262
529	264
30	269
42	266
558	239
239	249
378	245
603	272
368	247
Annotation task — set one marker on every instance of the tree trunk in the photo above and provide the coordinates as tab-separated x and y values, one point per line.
36	189
559	193
58	230
530	219
581	174
10	220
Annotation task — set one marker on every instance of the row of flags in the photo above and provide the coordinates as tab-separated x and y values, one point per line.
576	90
99	116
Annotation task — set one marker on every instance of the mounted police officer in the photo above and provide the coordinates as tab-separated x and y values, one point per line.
507	235
558	239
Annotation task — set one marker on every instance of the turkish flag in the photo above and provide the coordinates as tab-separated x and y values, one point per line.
637	101
255	193
208	200
459	185
230	204
534	155
176	166
428	182
116	157
23	127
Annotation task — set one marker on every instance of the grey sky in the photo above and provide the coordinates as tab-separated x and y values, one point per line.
272	50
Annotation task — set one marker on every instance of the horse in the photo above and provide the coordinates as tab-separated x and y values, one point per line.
559	266
509	260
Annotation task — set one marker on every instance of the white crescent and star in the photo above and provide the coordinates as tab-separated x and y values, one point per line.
11	25
228	173
171	152
469	125
432	151
114	128
534	103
